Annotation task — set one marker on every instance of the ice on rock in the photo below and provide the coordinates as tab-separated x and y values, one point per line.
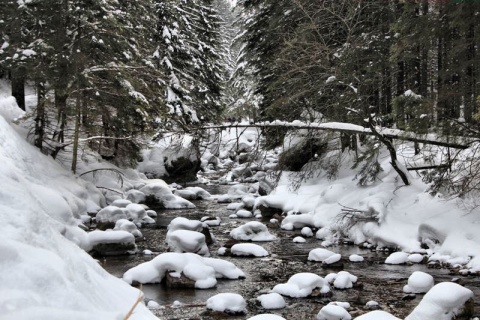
320	254
397	258
307	232
272	301
442	302
333	312
187	241
248	249
301	285
419	282
266	316
227	302
126	225
377	315
154	271
253	230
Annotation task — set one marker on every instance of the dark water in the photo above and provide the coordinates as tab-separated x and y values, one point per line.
376	281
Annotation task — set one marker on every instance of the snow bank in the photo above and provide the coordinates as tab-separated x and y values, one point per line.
49	275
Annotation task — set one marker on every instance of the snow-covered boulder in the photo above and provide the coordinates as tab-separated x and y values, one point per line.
242	213
301	285
109	243
135	196
211	221
138	214
377	315
419	282
231	303
299	240
397	258
355	258
253	230
333	312
344	280
272	301
203	271
248	249
266	316
107	217
126	225
181	223
194	193
445	301
297	221
187	241
320	254
158	192
307	232
121	203
416	258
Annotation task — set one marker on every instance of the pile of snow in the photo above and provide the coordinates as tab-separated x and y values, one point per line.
342	280
307	232
187	241
272	301
126	225
123	209
203	271
248	249
301	285
419	282
49	275
211	221
299	240
297	221
227	302
122	237
253	230
442	302
415	258
242	213
355	258
181	223
333	312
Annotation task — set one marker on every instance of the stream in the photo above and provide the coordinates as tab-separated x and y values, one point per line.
376	281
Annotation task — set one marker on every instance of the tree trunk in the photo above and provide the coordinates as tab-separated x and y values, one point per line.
18	86
40	116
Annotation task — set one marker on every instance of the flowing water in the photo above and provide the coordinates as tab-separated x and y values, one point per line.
376	281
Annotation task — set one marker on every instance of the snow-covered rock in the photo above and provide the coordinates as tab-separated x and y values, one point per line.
211	221
248	249
135	196
355	258
415	258
301	285
126	225
242	213
299	240
228	303
110	214
307	232
157	191
333	312
344	280
272	301
266	316
194	193
203	271
377	315
419	282
397	258
297	221
181	223
187	241
320	254
253	230
444	301
121	203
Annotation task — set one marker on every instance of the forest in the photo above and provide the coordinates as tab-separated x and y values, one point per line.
339	122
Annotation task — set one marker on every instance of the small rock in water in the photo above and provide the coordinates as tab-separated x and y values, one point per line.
372	305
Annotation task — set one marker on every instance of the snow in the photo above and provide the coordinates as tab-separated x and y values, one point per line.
397	258
253	230
320	254
244	213
266	316
203	271
181	223
160	190
272	301
442	302
49	275
415	258
333	312
301	285
377	315
187	241
419	282
227	302
194	193
344	280
307	232
355	258
97	236
299	240
248	249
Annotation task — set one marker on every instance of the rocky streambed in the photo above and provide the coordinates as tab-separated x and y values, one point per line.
377	281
